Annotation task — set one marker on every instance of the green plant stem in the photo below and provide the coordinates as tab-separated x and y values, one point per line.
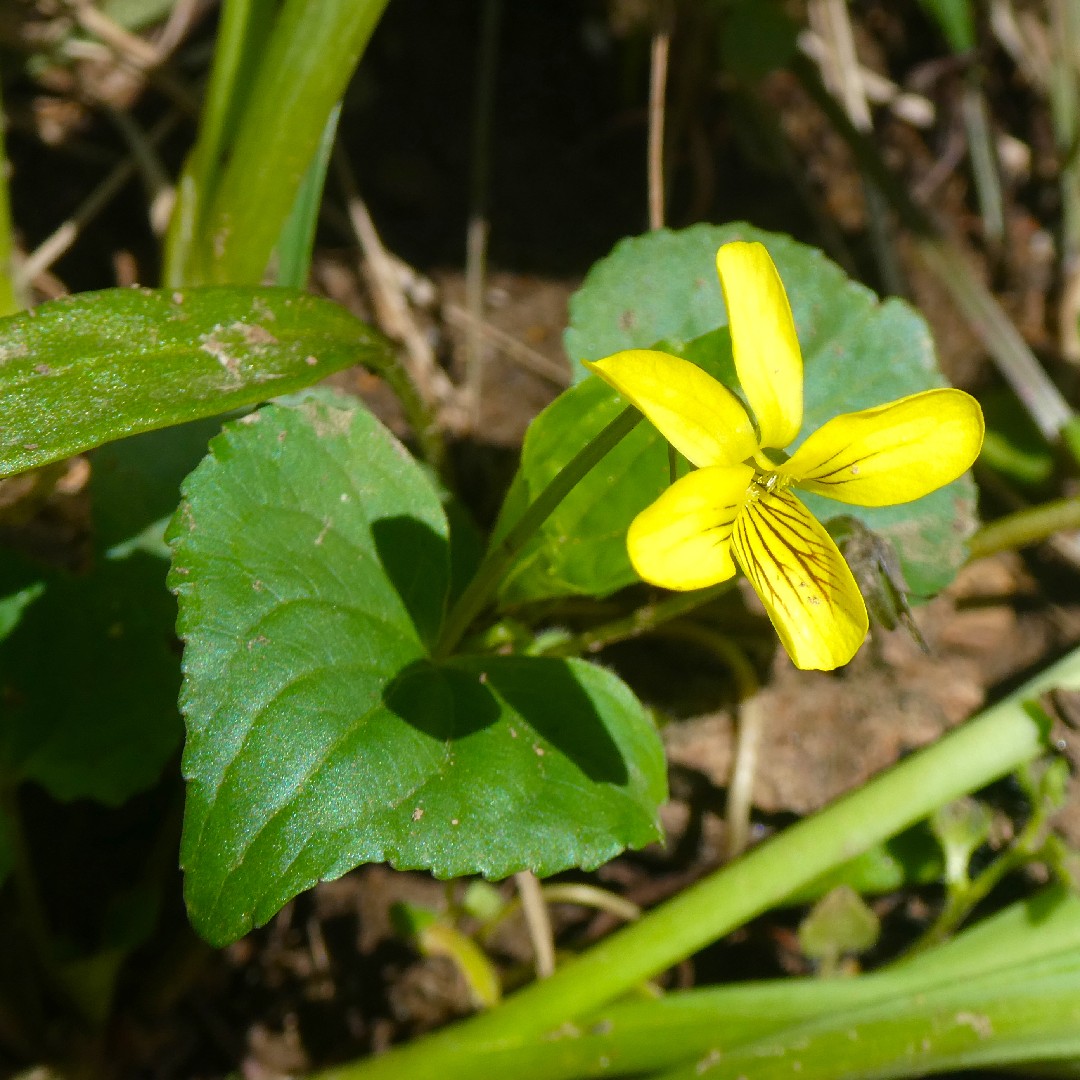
9	299
297	240
242	34
996	742
961	902
303	72
420	415
642	621
984	158
502	554
1024	527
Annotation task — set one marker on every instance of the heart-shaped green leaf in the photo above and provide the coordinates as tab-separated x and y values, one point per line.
81	371
311	565
662	290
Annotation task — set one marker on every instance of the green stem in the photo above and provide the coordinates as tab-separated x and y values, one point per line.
297	240
641	621
990	746
984	159
9	300
303	72
419	414
501	556
1024	527
244	28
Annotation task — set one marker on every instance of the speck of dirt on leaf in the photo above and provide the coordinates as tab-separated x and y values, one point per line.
177	297
311	361
483	678
219	351
257	585
538	750
327	420
707	1062
261	310
978	1022
260	639
513	733
14	352
254	334
627	321
418	813
454	821
42	369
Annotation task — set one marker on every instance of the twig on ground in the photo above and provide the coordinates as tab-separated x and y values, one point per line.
476	238
538	922
842	73
510	346
661	48
135	53
946	260
392	310
62	238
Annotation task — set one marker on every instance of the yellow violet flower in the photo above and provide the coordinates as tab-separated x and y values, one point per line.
739	505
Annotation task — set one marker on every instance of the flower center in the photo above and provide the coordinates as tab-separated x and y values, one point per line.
765	483
766	479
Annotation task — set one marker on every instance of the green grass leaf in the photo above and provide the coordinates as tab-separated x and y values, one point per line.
311	564
78	372
662	288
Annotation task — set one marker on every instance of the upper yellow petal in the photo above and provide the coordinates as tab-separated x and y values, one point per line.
683	540
893	453
763	341
802	579
699	416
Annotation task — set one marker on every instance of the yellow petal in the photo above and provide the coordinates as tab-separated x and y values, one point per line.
802	579
683	541
763	340
700	417
891	454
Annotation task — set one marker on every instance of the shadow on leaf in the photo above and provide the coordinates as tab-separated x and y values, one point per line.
539	701
416	560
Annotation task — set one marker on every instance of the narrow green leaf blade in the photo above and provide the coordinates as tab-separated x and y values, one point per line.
81	371
311	564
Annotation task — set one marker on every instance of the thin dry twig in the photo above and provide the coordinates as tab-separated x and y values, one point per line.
392	309
538	922
842	73
135	53
915	109
62	238
510	346
161	192
476	237
661	49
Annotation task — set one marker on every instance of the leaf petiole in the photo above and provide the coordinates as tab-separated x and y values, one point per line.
502	553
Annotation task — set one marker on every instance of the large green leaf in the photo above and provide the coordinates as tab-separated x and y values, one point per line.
89	678
311	565
663	288
81	371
